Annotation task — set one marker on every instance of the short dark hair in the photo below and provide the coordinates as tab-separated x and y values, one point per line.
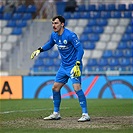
61	19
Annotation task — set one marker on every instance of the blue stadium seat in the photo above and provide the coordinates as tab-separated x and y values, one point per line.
97	68
131	62
38	63
92	22
102	62
111	68
88	45
100	68
127	14
53	69
129	29
67	15
92	62
7	16
106	14
42	69
1	8
16	31
126	37
116	14
129	44
21	9
91	8
122	45
84	37
75	15
53	54
57	62
11	23
110	7
113	62
92	68
130	7
27	16
48	69
121	7
85	15
87	68
131	22
88	30
117	53
48	62
1	16
124	61
95	14
98	29
107	53
16	16
43	55
36	69
126	68
21	23
129	68
128	53
102	22
31	9
93	37
81	8
101	7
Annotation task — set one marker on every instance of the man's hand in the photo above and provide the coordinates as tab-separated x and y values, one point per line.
76	69
35	53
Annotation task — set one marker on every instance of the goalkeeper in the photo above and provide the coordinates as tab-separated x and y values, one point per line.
71	53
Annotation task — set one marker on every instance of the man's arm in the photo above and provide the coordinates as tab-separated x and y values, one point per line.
76	69
46	47
75	41
80	52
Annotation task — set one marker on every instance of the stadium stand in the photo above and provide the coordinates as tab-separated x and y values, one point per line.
105	31
12	27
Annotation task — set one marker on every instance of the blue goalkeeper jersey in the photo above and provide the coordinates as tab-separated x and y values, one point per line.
69	47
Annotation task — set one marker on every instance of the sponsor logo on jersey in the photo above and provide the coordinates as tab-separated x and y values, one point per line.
62	47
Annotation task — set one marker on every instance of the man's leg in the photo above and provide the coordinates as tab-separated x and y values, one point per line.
56	101
82	102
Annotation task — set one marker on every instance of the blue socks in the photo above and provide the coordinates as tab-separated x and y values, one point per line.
81	98
82	101
56	100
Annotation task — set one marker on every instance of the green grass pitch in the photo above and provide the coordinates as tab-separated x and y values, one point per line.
25	116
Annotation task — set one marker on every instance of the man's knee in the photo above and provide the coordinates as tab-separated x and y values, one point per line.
77	87
57	86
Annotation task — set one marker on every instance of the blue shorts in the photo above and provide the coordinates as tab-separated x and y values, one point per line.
64	74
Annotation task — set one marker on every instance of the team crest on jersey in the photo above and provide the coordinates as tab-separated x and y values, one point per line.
65	41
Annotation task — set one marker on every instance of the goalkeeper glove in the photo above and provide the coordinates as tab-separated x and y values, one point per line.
36	53
76	69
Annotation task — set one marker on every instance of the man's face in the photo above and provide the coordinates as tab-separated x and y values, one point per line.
57	25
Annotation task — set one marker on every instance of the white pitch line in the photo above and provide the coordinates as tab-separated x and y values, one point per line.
31	110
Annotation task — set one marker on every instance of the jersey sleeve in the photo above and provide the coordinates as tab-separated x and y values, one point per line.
49	44
74	40
76	43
